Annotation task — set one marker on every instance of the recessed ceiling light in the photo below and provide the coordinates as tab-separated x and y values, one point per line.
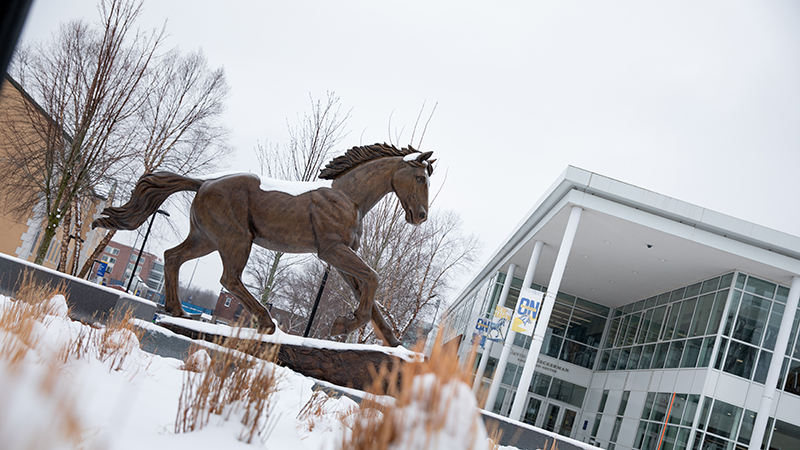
586	256
607	242
662	259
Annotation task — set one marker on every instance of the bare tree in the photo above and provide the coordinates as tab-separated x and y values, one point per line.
86	81
107	104
177	125
415	265
297	296
204	298
178	121
311	144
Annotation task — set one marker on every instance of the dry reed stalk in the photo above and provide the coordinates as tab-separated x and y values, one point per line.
232	381
21	319
315	408
197	360
495	434
119	339
30	305
378	423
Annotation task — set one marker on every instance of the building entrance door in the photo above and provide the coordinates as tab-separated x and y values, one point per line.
551	417
502	404
558	419
507	400
567	422
532	410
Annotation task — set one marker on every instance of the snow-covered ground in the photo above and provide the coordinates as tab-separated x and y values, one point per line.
66	385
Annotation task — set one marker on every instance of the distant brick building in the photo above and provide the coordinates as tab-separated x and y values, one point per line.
229	310
121	258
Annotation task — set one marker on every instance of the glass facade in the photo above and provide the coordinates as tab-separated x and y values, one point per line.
723	426
727	323
458	318
667	418
675	329
575	330
679	329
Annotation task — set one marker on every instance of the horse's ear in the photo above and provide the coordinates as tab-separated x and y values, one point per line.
430	167
424	156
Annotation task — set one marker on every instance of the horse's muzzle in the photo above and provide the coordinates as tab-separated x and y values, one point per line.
416	217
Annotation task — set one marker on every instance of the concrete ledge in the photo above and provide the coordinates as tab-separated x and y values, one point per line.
528	437
88	302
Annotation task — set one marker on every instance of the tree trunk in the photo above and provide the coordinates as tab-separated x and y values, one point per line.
271	277
87	266
65	232
76	253
49	233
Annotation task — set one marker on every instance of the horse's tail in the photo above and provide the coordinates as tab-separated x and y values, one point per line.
150	192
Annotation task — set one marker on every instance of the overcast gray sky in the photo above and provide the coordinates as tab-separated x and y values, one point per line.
695	100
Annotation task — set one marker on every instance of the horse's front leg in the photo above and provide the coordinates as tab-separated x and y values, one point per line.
382	328
347	261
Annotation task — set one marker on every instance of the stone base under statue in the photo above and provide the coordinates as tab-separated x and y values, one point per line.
346	365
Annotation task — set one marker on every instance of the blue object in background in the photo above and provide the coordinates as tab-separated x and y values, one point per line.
101	269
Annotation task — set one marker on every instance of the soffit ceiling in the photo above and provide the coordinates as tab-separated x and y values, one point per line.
611	263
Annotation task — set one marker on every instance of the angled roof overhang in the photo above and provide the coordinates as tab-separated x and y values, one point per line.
633	243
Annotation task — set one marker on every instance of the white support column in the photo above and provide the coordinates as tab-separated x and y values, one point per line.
509	342
544	315
770	386
498	372
482	367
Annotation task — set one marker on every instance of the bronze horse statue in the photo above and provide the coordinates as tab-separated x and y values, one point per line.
230	213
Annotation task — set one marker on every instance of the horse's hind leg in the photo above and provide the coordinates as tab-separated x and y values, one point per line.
234	254
194	246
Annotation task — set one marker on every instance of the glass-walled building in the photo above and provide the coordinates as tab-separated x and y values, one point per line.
668	326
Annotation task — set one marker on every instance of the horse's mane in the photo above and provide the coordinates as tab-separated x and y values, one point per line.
359	155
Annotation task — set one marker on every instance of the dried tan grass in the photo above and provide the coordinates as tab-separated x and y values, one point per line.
495	434
315	408
233	380
19	320
111	344
198	359
377	424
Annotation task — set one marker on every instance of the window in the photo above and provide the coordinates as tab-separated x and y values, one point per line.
681	408
112	250
567	392
623	404
491	365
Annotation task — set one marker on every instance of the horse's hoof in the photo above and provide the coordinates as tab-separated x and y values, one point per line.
340	326
266	328
179	313
393	342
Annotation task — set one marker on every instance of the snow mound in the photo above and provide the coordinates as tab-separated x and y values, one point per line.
197	361
439	417
57	306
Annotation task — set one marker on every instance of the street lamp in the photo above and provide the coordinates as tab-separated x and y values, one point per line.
141	249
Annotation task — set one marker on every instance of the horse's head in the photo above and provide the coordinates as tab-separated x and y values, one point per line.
411	183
